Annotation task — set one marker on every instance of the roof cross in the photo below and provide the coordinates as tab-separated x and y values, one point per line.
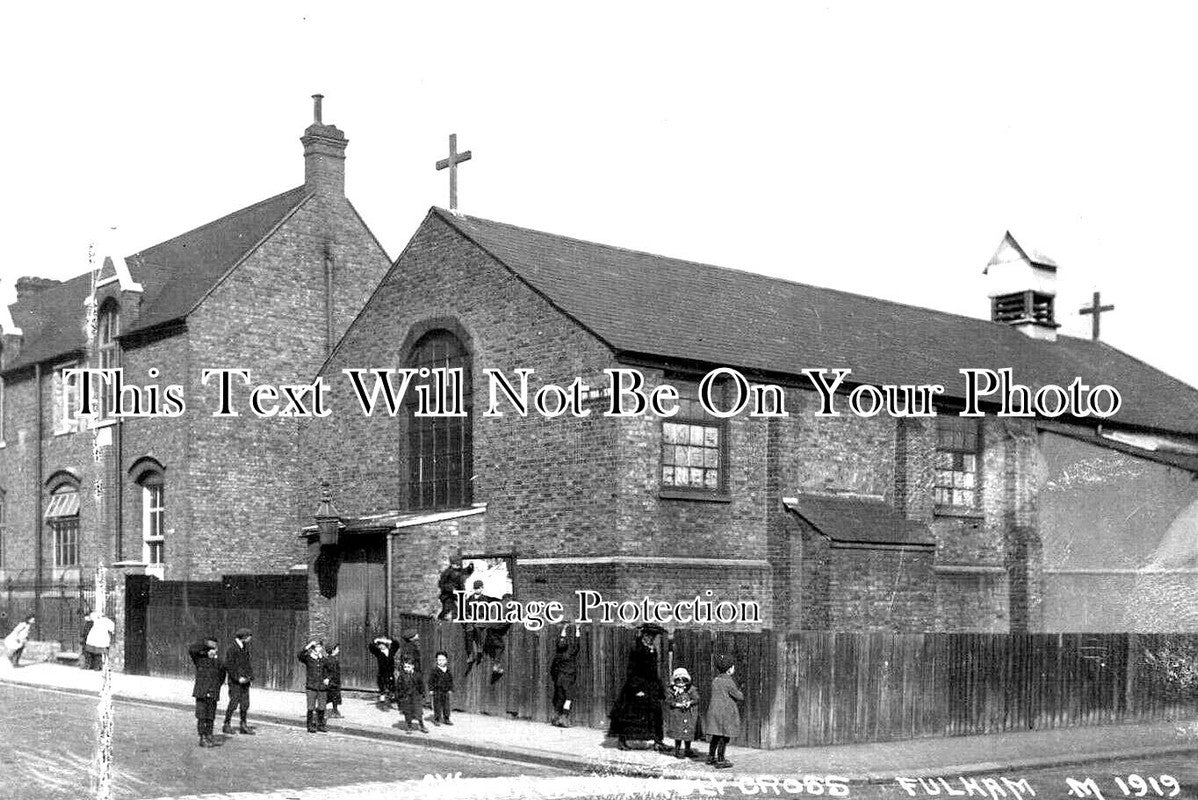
1096	308
451	163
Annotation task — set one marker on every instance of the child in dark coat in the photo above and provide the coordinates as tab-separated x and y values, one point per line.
316	684
723	717
210	675
563	671
384	649
681	712
409	694
440	683
332	666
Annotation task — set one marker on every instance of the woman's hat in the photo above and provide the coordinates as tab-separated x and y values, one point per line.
723	663
680	673
650	629
243	633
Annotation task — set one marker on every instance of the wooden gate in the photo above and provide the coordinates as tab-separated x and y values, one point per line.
359	610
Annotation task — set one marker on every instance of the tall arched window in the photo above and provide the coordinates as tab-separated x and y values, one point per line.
108	327
153	519
62	517
440	451
150	477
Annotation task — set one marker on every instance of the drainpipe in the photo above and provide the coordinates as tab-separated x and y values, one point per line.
387	579
328	299
37	503
119	487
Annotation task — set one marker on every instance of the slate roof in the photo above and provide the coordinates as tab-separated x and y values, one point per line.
652	306
175	275
852	519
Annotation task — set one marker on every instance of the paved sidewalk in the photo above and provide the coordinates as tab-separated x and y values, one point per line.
587	749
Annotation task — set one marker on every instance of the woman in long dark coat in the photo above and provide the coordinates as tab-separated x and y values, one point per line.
636	715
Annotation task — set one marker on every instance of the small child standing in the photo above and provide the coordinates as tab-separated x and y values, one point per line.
563	671
332	667
316	684
409	694
682	712
723	717
440	683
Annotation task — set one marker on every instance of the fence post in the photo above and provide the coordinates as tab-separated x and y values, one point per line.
1129	688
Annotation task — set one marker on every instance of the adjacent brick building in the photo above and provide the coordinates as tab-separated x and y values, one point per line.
269	288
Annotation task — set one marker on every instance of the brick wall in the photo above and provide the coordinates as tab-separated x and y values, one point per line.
269	316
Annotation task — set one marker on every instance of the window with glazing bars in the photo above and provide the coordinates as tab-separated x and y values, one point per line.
693	445
107	329
440	450
958	450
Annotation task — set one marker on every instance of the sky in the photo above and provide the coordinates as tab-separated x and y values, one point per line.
878	148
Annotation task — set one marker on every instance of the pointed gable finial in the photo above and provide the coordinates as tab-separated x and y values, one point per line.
316	100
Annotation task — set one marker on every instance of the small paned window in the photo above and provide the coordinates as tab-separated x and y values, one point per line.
693	445
958	455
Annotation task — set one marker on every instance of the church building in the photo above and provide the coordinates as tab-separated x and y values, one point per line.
848	522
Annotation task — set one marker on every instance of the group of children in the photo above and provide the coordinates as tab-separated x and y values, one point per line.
672	713
401	680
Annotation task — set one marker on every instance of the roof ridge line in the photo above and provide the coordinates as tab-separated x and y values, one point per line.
737	270
219	220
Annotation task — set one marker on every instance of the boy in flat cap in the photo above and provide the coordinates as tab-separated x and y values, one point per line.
316	684
241	674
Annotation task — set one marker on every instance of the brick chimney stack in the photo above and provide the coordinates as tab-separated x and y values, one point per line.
324	154
29	286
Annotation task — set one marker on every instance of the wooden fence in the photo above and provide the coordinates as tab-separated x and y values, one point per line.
801	689
832	688
164	617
